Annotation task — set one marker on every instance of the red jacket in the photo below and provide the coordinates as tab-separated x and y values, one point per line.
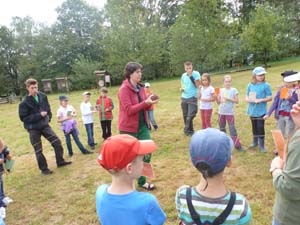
129	108
105	107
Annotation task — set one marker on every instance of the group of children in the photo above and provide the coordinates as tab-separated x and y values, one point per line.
258	93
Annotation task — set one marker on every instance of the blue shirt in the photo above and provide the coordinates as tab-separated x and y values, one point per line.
262	90
134	208
190	90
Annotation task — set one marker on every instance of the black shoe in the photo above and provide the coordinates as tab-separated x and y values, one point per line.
87	152
93	147
64	164
46	172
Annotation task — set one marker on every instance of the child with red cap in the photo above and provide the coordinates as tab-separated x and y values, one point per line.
119	203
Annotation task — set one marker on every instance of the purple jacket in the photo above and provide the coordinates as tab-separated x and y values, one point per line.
277	102
69	125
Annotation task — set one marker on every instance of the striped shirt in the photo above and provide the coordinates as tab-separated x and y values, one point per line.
210	208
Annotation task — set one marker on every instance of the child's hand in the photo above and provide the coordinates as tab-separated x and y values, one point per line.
277	162
266	117
1	161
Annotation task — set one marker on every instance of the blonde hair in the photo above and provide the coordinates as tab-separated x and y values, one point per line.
254	80
227	77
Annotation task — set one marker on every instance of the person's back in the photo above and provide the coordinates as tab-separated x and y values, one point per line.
136	208
210	201
119	203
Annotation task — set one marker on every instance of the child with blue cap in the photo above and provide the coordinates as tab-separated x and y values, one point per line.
210	202
257	95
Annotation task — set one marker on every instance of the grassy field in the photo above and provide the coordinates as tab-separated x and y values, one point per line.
68	196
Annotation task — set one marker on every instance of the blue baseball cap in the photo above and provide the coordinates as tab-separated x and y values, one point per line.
259	71
212	147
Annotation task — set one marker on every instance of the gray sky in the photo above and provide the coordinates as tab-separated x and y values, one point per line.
40	10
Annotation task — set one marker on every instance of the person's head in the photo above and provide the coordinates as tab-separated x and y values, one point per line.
104	91
227	81
86	96
147	85
258	75
32	86
133	72
205	79
210	151
289	77
123	153
63	100
2	145
188	67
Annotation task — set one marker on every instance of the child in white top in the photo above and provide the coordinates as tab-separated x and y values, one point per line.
87	111
207	97
65	116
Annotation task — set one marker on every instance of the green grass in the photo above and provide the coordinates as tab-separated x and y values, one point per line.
68	196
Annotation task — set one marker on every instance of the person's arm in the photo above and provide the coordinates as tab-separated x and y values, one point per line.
286	180
268	97
111	105
273	106
247	94
26	115
61	118
235	98
155	214
48	108
126	103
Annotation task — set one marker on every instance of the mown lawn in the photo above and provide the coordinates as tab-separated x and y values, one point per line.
68	196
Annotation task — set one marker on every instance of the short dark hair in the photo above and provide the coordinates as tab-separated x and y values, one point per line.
188	63
30	82
130	68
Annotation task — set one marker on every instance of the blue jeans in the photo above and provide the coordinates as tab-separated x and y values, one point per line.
286	125
90	133
77	141
151	118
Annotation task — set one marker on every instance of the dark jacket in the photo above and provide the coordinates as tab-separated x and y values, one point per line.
30	112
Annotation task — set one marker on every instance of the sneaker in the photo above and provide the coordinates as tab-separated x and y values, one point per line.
7	200
241	149
263	150
87	152
155	127
64	164
47	172
2	212
253	145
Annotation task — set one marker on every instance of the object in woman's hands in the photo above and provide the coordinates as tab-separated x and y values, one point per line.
154	97
284	93
148	171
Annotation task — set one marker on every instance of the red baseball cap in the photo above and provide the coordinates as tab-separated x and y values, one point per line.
119	150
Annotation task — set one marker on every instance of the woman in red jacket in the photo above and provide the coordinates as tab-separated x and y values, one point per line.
133	106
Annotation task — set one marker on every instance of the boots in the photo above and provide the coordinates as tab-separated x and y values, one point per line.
254	143
262	144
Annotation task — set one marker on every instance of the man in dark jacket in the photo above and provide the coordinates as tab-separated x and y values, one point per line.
36	114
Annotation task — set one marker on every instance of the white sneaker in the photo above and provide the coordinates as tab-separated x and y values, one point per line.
2	212
7	200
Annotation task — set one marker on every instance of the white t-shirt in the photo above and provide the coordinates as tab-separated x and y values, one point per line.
226	108
86	112
206	93
63	112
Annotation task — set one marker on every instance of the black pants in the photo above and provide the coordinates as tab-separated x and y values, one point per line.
258	126
106	128
189	110
35	139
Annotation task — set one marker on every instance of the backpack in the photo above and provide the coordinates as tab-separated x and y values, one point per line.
219	220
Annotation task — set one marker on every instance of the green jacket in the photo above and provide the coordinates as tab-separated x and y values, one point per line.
287	185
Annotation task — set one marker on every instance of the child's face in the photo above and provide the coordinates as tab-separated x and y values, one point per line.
64	103
137	166
204	81
86	98
227	83
260	78
188	69
289	84
32	90
103	94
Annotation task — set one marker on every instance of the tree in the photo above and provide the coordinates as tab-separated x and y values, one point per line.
263	32
200	34
10	59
